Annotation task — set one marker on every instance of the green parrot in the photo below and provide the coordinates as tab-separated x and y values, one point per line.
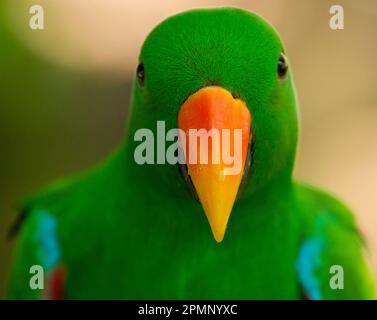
126	230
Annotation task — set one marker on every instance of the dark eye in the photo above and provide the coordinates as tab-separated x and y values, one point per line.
282	67
140	73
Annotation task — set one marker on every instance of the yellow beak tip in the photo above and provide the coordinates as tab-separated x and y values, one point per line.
218	232
218	237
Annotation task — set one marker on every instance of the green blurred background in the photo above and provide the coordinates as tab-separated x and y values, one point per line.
64	93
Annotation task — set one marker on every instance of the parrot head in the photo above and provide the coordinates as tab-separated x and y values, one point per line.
223	69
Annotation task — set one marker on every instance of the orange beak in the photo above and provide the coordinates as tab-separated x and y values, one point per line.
215	156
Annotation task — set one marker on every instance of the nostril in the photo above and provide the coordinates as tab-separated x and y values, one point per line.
236	95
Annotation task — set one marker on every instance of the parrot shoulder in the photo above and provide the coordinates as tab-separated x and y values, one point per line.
313	202
51	199
331	260
38	243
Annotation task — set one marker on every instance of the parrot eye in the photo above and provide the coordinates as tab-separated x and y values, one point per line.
282	68
140	73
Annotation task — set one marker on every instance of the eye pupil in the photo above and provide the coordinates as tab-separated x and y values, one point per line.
282	67
140	73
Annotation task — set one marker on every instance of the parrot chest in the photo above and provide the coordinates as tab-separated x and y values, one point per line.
246	265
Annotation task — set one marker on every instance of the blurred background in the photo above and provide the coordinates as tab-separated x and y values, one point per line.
64	93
